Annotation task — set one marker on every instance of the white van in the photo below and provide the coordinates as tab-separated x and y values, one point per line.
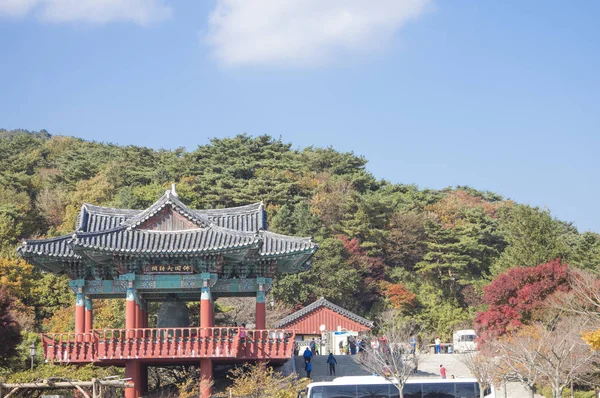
464	341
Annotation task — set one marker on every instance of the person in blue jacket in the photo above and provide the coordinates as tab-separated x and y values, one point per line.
307	355
308	368
332	362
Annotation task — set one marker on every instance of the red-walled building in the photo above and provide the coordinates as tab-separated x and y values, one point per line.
307	321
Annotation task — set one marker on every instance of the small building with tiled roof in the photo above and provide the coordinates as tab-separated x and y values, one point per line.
307	322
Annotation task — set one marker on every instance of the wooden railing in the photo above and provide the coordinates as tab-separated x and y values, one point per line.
264	344
68	347
168	343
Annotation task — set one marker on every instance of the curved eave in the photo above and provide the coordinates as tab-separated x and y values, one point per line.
289	253
292	262
249	241
276	245
225	250
43	255
48	248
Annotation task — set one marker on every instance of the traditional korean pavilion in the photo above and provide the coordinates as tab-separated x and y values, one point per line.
164	253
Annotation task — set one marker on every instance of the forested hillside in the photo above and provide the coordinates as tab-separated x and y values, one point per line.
426	253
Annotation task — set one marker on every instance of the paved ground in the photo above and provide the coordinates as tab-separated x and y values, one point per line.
429	367
346	367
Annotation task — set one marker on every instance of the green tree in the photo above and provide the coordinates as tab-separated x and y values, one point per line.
587	252
329	277
533	237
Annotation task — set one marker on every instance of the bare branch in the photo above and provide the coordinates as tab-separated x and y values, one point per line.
393	357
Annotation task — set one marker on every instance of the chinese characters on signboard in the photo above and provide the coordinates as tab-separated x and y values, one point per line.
168	269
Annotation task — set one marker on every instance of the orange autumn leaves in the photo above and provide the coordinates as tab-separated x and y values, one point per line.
399	296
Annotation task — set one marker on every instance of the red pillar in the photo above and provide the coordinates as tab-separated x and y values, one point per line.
89	319
207	320
139	323
130	312
133	368
79	317
206	378
133	371
261	311
143	323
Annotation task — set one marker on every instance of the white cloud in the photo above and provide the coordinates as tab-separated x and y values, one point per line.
304	32
95	11
16	8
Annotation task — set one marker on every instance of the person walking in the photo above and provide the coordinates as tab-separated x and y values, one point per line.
352	344
243	333
438	345
332	362
307	355
375	344
308	368
442	371
313	347
413	345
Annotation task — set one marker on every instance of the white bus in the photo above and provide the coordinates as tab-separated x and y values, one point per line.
378	387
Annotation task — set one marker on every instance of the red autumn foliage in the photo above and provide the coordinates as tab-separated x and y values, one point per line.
371	269
515	296
10	331
400	297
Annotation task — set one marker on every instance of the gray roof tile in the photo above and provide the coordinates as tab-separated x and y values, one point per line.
125	240
52	247
318	304
276	244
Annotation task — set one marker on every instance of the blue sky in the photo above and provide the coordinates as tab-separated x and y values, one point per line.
499	95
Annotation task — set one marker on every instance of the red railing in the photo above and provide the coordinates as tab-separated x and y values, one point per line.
167	343
264	344
68	347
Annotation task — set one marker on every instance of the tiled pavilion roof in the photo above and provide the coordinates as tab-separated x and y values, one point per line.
201	232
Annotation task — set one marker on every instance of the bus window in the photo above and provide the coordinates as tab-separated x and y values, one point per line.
334	391
467	390
411	390
438	390
374	391
317	392
395	394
